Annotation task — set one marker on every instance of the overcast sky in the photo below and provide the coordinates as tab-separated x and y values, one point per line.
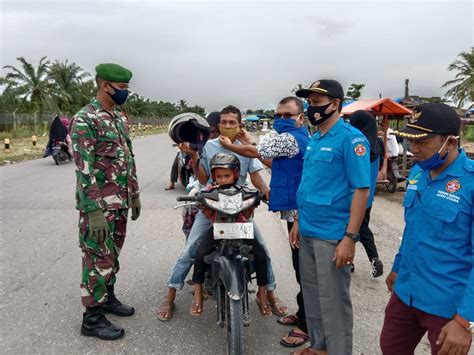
246	53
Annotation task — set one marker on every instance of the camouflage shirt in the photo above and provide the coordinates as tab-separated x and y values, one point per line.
105	167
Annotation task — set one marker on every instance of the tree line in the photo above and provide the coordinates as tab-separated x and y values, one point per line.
64	88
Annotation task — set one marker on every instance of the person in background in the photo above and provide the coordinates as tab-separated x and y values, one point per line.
365	122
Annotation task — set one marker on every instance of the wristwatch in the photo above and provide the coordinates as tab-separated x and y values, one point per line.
355	237
469	326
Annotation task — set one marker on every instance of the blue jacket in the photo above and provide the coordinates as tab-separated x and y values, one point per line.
286	174
436	258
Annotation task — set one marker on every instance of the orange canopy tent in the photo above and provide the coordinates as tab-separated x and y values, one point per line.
387	108
378	107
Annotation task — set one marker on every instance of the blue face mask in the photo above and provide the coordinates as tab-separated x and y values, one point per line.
435	161
119	96
282	125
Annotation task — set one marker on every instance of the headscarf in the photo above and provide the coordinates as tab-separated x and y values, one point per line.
57	129
365	122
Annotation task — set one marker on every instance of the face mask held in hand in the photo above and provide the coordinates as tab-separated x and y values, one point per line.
231	133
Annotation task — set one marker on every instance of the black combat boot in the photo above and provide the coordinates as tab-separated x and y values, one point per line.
114	306
94	324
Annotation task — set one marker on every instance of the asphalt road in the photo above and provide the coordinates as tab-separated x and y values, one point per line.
40	307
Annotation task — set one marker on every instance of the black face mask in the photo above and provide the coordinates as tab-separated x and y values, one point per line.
316	114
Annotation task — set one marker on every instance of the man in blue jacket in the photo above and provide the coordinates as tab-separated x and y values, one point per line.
284	154
332	199
432	279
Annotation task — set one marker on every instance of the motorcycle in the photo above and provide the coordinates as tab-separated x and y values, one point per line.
231	266
60	152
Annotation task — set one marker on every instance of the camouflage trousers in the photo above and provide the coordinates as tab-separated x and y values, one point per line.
100	263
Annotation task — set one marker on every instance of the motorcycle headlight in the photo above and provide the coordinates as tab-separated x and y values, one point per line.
226	204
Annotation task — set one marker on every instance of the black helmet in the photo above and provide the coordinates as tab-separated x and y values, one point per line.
189	127
225	160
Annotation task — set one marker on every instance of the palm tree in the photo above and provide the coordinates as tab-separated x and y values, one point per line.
67	79
355	91
29	83
463	89
296	88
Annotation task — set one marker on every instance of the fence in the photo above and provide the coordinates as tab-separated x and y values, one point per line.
24	125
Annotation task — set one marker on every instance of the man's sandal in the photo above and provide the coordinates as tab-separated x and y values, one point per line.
304	338
167	309
278	306
291	320
196	309
264	309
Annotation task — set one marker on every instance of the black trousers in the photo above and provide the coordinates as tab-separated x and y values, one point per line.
367	237
295	257
207	246
174	170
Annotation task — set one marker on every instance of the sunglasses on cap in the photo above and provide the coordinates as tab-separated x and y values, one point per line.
286	115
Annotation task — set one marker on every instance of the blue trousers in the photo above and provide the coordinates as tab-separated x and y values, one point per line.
185	260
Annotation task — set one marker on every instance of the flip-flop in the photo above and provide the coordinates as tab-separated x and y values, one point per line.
293	334
261	308
196	309
169	188
276	305
165	308
293	320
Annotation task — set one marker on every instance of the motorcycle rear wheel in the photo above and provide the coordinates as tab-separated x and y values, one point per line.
235	326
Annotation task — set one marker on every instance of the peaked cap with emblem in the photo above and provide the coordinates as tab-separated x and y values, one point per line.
113	72
429	120
326	87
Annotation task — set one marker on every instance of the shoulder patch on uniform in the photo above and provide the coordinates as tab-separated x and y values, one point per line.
360	150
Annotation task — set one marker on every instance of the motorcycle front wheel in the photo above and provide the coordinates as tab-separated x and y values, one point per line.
235	326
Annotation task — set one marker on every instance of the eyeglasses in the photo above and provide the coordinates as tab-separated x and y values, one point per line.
286	115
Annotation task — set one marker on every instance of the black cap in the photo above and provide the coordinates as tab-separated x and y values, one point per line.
326	87
429	120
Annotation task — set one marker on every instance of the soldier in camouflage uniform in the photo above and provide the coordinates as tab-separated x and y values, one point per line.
106	188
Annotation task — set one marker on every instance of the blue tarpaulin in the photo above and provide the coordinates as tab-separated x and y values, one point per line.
251	118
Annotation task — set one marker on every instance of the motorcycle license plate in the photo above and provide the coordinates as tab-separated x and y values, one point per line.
233	231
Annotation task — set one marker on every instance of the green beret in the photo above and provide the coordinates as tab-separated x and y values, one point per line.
113	72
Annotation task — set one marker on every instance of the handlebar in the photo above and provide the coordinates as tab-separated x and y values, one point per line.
186	198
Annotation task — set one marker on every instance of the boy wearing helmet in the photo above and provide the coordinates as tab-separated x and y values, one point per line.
225	170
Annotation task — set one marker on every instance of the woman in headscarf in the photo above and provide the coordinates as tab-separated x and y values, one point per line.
365	122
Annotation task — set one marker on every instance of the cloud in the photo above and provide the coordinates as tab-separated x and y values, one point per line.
249	53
